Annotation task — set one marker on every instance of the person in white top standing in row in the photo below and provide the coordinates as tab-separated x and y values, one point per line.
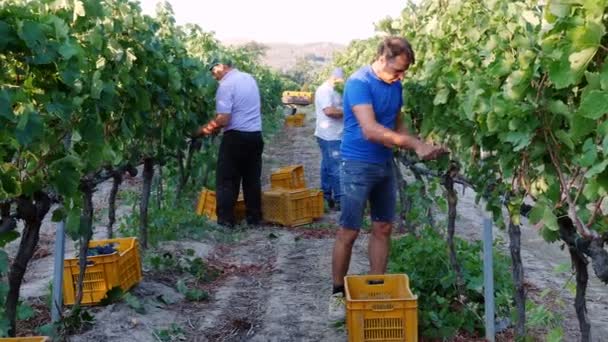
328	130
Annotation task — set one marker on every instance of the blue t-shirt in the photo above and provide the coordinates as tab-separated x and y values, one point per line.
364	87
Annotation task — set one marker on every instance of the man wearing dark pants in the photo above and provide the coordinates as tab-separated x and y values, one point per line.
240	154
373	97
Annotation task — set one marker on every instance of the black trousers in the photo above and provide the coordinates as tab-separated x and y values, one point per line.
240	159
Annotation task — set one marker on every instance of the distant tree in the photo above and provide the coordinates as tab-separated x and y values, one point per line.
385	27
315	58
256	49
304	72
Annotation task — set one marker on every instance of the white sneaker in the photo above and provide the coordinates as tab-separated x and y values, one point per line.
337	308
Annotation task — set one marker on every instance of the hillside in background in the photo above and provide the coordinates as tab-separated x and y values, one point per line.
285	56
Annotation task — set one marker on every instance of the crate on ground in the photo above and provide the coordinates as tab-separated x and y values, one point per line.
103	272
288	177
303	98
207	203
296	120
25	339
300	116
317	203
381	308
287	207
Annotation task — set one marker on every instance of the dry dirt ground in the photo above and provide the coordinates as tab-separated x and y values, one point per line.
276	281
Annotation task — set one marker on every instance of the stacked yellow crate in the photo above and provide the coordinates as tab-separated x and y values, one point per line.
289	202
207	203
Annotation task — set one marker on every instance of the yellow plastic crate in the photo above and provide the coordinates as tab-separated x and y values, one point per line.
300	118
381	308
297	97
296	120
287	207
288	177
207	203
122	269
25	339
317	203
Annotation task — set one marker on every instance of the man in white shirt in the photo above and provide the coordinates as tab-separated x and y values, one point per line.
328	130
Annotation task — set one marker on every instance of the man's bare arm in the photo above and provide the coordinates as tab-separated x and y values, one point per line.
333	112
220	120
375	132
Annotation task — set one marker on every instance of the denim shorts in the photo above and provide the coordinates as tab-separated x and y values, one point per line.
360	182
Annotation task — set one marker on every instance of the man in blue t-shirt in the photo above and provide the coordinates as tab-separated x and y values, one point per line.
373	97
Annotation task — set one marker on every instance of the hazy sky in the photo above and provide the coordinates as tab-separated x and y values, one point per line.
282	20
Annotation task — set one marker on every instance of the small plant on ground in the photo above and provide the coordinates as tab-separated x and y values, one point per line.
543	318
186	273
171	334
443	313
177	264
77	321
116	295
